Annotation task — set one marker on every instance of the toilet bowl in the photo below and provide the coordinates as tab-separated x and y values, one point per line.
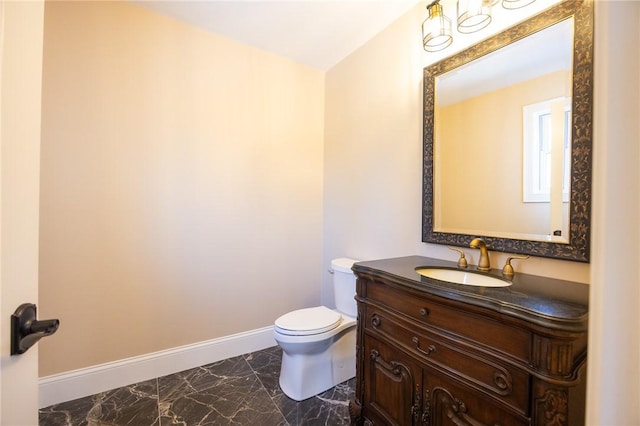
319	344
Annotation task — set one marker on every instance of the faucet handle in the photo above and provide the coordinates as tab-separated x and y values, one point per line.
507	271
462	262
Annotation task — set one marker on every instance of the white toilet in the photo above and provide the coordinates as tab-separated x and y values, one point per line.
319	344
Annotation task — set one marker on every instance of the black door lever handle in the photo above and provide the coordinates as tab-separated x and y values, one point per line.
26	330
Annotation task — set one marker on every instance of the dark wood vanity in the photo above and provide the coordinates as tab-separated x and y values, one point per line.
436	353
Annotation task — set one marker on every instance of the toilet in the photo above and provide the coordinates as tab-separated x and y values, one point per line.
319	344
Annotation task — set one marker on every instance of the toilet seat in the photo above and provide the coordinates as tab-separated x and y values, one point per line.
308	321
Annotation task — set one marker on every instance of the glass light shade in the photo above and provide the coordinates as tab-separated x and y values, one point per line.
473	15
436	29
516	4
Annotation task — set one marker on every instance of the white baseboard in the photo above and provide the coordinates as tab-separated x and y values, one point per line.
75	384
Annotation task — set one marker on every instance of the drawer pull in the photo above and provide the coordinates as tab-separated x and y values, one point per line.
424	312
375	321
431	349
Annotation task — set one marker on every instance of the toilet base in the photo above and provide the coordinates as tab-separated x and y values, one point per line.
320	367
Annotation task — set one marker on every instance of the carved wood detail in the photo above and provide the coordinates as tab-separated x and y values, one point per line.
355	411
426	412
394	370
552	408
553	357
455	409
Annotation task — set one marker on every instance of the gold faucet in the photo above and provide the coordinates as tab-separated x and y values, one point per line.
507	271
462	261
484	263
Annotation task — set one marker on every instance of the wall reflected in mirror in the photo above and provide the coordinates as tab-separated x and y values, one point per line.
497	141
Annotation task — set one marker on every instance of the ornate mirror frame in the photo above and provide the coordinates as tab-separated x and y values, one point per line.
582	111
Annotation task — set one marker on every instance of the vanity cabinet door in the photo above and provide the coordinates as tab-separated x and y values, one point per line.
392	390
448	402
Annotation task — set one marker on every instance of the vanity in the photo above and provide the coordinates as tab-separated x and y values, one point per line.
431	352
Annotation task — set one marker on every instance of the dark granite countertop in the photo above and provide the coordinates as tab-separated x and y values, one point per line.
549	302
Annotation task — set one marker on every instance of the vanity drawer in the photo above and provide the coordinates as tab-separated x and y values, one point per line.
509	339
500	380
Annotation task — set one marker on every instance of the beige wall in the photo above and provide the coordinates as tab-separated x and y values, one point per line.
484	143
373	149
181	185
613	394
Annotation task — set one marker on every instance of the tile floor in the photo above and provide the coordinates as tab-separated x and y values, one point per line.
237	391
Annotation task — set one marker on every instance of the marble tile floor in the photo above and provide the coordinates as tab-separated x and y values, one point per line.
242	390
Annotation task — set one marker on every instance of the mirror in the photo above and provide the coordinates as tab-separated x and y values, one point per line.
507	139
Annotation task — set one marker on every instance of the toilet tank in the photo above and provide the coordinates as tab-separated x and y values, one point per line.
344	286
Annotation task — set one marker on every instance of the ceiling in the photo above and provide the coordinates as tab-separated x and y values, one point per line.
546	51
316	33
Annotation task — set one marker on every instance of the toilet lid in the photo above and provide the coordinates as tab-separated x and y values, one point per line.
308	321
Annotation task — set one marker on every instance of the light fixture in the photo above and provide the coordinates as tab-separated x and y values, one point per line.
436	29
516	4
473	15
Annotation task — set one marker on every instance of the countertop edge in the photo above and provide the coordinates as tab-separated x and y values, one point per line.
520	307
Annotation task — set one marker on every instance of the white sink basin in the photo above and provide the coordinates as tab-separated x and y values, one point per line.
463	277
